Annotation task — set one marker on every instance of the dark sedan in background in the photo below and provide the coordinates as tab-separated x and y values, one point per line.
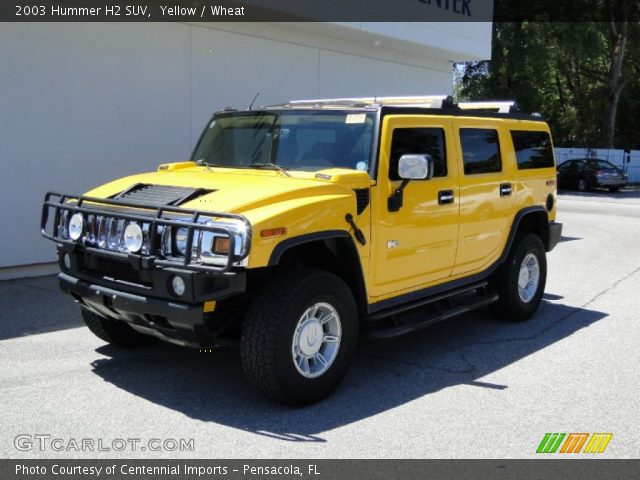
585	173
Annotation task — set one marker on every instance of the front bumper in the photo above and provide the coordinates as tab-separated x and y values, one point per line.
136	275
177	322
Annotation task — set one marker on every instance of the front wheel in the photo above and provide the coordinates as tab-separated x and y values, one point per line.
299	336
520	281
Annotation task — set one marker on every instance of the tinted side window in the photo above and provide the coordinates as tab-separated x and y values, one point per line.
566	165
480	150
417	141
533	149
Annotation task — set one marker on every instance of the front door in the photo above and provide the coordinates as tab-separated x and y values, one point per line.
416	245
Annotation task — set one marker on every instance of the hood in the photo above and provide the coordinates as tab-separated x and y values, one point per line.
232	190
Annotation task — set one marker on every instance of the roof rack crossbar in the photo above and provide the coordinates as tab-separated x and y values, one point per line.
498	106
426	101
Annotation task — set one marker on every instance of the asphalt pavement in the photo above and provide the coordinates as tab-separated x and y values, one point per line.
473	387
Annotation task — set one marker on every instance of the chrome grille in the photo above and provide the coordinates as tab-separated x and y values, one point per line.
108	233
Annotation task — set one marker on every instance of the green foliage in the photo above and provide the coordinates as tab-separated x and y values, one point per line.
562	70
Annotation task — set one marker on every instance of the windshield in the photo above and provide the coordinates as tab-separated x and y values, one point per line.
292	140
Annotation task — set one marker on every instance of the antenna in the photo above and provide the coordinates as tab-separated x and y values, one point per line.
253	101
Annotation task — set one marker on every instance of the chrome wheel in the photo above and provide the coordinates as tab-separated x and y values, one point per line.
528	278
316	340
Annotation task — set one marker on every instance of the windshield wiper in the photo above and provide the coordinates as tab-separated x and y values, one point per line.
270	166
209	165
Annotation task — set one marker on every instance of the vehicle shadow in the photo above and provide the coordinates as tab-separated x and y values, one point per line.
210	386
564	238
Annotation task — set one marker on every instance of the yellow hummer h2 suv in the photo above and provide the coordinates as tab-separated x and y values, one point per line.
298	226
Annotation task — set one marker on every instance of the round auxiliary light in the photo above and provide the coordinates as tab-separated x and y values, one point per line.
133	237
75	226
66	261
178	286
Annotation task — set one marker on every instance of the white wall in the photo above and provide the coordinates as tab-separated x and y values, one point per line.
84	103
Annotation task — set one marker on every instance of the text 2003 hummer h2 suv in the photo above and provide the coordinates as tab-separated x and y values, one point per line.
297	226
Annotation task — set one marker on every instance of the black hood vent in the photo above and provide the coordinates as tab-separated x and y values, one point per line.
160	195
362	199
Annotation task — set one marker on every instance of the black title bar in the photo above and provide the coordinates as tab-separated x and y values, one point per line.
318	10
574	469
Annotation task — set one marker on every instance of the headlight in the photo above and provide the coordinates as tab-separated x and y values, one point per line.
76	225
216	246
181	240
133	237
208	247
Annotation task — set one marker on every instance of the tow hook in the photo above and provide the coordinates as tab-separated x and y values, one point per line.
356	231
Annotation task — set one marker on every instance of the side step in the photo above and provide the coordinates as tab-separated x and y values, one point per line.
406	319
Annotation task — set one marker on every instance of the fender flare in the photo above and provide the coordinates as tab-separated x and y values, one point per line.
289	243
357	283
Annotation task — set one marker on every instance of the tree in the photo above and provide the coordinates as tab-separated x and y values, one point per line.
582	76
618	35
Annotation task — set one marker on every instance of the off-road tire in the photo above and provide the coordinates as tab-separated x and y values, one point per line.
115	332
268	332
504	282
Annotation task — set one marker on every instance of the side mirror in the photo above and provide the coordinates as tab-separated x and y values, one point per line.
415	167
410	167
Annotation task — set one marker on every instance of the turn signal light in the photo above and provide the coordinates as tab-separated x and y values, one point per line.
273	232
221	245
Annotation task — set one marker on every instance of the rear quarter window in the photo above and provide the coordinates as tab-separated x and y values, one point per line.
533	149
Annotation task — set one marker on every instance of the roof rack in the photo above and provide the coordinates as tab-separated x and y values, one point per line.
430	101
427	101
497	106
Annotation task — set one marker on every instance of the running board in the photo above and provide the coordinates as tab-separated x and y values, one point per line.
456	303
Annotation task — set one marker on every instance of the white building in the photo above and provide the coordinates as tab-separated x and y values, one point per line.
83	103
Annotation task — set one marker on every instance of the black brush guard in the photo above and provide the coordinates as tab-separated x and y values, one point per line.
156	217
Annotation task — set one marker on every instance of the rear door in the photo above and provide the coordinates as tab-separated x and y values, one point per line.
487	174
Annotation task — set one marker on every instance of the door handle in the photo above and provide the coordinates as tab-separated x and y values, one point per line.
445	197
505	189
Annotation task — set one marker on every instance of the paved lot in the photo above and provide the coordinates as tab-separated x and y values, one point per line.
473	387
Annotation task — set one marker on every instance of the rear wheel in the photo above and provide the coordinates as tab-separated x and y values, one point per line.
114	332
299	336
520	281
583	185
